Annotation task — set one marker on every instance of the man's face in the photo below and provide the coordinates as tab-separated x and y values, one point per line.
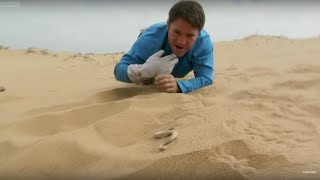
181	36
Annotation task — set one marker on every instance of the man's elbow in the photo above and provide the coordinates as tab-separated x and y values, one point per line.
116	72
208	80
120	73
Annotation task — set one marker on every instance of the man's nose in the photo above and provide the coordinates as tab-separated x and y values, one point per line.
182	40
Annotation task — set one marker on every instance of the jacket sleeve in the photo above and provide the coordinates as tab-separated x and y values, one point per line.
120	70
134	56
203	68
147	44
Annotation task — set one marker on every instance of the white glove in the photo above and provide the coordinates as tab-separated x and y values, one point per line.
155	65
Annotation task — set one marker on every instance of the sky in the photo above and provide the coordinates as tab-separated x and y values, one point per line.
113	26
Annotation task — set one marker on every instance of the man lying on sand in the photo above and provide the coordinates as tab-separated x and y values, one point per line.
171	49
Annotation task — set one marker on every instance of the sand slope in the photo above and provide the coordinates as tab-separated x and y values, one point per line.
63	115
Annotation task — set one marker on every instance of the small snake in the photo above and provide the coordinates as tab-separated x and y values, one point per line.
168	132
2	88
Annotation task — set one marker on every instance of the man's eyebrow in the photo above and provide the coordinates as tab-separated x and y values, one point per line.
190	34
175	29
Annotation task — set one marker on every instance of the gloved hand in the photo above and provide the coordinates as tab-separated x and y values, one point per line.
155	65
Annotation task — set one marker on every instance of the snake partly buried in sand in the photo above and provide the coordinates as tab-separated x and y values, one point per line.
2	88
168	132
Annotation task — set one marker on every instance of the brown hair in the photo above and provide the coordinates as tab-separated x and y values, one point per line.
190	11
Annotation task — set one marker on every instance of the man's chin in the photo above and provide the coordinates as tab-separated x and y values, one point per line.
179	54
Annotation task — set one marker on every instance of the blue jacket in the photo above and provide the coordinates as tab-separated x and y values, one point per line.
198	58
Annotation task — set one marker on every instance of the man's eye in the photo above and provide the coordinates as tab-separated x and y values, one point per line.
191	35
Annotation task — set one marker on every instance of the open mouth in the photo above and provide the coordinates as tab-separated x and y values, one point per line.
179	47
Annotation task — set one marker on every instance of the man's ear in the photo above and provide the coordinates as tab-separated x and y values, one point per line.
168	24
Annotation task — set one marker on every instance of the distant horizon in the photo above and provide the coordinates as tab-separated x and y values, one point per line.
3	46
113	26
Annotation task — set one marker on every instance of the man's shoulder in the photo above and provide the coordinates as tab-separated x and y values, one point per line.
203	44
203	39
153	36
160	25
204	35
156	28
150	40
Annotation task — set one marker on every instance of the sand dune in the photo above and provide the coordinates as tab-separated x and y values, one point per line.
64	115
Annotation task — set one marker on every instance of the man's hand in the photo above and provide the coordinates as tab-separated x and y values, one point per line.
166	83
155	65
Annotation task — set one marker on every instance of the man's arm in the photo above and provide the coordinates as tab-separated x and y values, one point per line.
148	43
203	67
120	70
134	56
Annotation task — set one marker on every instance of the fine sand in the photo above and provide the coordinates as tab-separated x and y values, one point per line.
63	115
